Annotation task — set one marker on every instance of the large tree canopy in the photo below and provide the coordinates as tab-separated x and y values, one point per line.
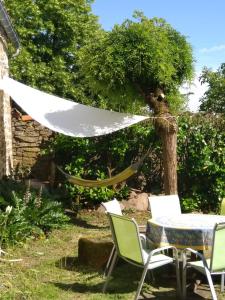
136	58
214	98
51	34
143	60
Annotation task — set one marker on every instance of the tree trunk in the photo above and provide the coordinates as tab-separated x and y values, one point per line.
166	126
169	147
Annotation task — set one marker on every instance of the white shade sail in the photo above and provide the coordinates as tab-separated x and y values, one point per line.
67	117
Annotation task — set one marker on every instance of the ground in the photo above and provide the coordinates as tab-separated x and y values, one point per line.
50	268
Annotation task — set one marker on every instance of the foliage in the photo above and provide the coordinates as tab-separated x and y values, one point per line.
214	98
135	58
201	165
28	214
201	161
51	34
102	157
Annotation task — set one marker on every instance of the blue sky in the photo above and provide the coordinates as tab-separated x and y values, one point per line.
201	21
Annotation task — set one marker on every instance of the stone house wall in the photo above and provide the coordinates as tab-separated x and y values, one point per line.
6	161
29	140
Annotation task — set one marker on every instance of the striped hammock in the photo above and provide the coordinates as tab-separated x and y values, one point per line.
122	176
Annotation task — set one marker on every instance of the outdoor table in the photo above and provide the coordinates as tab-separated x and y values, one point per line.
182	231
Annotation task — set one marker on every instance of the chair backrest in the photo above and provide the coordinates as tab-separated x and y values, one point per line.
217	262
164	205
112	206
222	207
126	238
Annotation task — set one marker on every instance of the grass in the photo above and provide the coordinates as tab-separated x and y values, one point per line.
50	268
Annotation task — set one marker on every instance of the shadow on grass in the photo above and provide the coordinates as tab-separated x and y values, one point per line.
124	280
118	288
79	287
83	223
68	263
71	263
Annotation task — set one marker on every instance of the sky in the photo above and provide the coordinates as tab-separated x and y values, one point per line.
202	22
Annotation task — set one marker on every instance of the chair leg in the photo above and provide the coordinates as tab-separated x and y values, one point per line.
184	279
109	261
222	282
141	282
179	292
150	276
114	258
212	289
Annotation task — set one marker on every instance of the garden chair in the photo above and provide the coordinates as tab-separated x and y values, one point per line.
222	207
126	237
164	205
113	206
212	266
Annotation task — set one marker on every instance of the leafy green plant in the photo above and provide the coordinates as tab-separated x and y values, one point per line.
102	157
30	214
201	151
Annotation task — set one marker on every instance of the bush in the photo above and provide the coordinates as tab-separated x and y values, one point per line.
201	161
102	157
27	214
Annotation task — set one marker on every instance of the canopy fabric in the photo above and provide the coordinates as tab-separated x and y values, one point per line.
67	117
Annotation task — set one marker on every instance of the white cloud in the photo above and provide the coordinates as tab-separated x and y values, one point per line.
212	49
195	91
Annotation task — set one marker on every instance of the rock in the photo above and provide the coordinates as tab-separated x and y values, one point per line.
94	253
101	209
137	201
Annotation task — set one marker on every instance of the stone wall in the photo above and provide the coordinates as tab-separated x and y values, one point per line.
29	140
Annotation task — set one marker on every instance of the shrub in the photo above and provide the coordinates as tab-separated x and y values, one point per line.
201	161
27	214
102	157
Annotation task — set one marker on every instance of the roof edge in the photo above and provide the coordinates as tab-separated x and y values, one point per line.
7	25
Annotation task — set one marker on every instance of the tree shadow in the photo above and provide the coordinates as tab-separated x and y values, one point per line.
68	263
72	263
124	280
77	221
84	224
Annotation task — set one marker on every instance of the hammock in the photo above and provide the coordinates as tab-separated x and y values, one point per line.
122	176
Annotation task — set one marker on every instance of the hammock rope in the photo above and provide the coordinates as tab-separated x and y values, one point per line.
122	176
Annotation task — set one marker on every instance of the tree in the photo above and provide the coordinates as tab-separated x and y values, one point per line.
143	60
214	98
51	34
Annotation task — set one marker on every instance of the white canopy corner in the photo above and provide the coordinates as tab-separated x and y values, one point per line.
64	116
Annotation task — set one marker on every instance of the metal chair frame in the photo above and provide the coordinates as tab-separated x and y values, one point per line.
209	266
136	252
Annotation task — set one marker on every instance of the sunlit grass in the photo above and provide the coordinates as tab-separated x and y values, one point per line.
50	268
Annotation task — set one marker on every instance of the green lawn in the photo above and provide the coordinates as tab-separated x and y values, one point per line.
50	268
